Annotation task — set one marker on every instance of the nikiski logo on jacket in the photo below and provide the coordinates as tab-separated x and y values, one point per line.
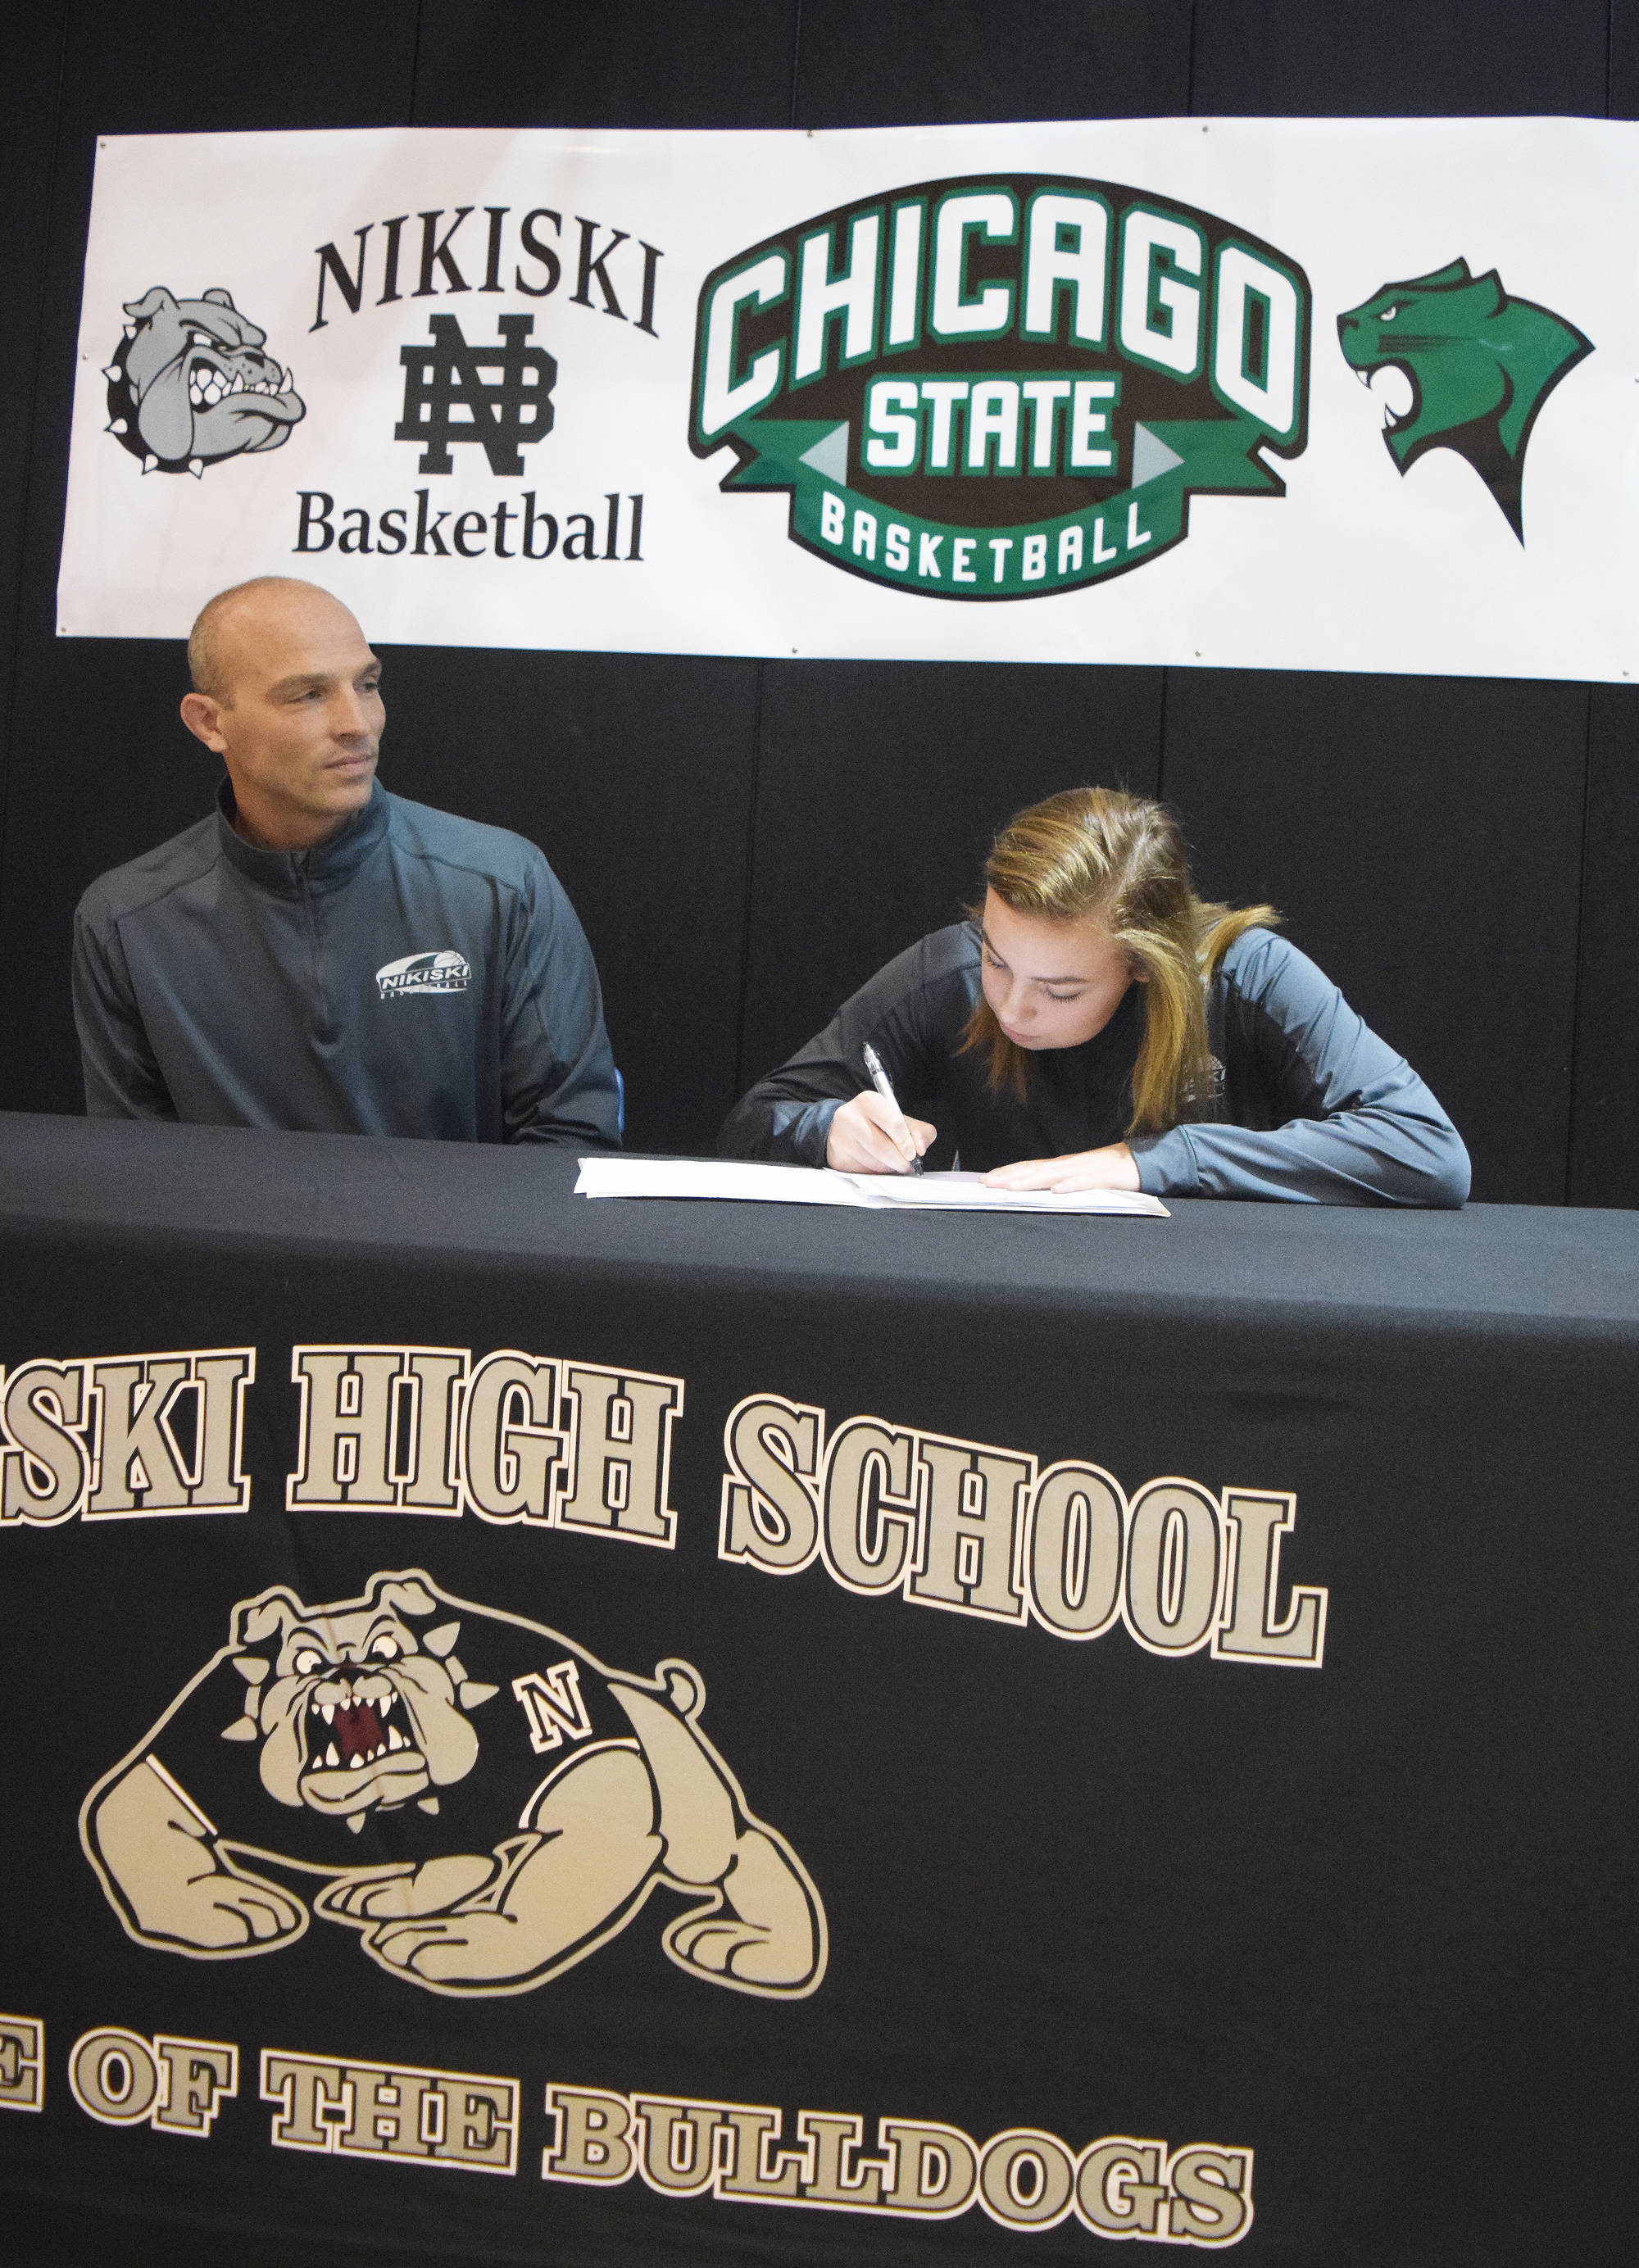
423	972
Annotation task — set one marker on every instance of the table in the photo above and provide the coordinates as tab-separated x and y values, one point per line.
866	1738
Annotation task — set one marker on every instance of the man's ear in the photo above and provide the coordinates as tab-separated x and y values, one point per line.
201	715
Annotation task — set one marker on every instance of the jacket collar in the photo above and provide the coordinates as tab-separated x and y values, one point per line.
326	867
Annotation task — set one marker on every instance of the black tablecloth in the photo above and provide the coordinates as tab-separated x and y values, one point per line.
1326	1938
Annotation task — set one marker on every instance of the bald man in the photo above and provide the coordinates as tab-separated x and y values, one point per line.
318	955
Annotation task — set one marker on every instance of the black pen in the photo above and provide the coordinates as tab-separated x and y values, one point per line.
883	1085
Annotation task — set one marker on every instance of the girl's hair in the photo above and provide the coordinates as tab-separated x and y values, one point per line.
1092	850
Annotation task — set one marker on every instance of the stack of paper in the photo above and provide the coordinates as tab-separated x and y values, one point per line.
721	1177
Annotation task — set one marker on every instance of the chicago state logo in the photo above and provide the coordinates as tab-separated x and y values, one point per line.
1003	386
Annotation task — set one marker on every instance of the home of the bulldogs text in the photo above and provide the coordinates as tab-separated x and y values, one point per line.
551	1443
402	2115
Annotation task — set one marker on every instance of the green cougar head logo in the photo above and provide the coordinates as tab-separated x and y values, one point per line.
1480	366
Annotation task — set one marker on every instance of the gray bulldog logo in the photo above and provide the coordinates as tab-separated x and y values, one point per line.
190	383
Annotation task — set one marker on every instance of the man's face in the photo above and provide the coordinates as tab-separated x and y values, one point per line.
301	725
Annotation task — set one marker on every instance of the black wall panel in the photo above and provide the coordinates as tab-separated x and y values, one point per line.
1605	1123
34	58
605	62
1405	58
904	63
879	787
1422	836
190	67
1624	89
101	768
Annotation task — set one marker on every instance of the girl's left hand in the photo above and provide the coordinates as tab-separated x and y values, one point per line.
1113	1168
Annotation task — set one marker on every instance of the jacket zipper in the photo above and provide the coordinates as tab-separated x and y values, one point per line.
319	1017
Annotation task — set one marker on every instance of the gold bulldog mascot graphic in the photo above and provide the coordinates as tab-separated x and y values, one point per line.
191	382
480	1799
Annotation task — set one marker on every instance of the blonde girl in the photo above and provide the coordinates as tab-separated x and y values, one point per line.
1095	1024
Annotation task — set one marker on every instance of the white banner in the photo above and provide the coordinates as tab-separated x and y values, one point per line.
1290	394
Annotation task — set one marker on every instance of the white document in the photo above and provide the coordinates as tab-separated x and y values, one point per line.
759	1184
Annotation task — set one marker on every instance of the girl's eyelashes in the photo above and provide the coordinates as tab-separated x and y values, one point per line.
993	959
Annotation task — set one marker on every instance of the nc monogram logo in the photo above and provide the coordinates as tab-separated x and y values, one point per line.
502	395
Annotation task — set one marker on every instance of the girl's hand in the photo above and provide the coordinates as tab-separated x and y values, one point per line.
1112	1169
868	1136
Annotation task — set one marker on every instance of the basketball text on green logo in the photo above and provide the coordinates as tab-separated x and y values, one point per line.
1003	386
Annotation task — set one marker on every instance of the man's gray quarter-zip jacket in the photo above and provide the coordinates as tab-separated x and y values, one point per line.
417	974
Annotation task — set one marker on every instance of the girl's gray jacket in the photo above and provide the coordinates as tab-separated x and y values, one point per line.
1307	1102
